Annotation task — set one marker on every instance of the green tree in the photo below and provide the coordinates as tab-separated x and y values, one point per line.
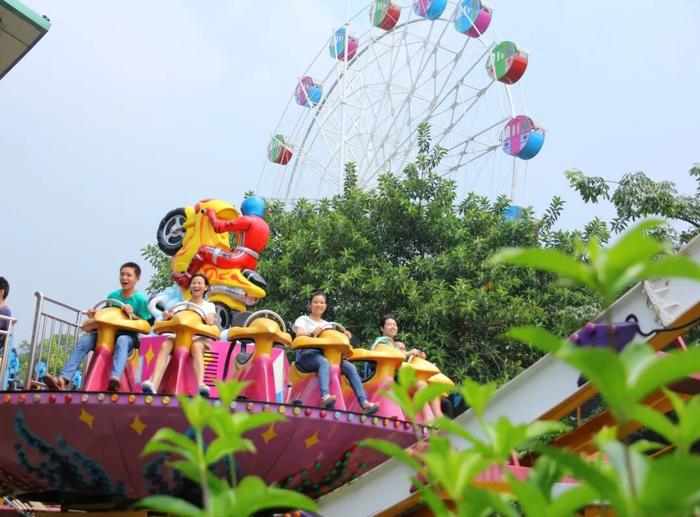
161	269
637	196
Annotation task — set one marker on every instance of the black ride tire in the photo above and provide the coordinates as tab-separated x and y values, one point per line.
169	238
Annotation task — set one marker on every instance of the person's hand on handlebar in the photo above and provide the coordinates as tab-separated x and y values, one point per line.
167	314
91	312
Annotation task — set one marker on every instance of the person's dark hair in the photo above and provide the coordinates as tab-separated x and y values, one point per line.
134	266
317	293
5	286
203	276
383	319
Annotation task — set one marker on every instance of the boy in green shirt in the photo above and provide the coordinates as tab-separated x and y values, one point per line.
134	303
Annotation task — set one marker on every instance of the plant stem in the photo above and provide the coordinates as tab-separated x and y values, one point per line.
202	467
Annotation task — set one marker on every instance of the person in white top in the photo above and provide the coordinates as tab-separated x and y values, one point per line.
199	284
312	359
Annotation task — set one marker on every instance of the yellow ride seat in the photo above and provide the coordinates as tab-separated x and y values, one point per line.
186	325
387	361
424	369
265	332
108	321
333	344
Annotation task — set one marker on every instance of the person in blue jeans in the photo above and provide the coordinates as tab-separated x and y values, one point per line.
134	302
312	360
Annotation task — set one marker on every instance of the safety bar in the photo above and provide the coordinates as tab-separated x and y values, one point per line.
51	335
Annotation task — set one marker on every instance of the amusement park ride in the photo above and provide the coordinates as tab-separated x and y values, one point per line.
81	448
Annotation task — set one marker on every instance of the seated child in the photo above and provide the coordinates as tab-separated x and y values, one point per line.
134	303
199	284
312	360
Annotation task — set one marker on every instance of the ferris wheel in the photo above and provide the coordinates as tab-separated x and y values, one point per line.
375	80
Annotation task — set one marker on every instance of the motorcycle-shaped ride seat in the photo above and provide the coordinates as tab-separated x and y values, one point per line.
108	323
261	367
186	324
335	346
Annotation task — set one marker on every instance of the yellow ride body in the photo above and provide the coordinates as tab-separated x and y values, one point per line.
387	359
334	345
200	231
186	325
265	332
108	321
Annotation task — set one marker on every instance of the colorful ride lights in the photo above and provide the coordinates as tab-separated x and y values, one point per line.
522	138
278	150
384	14
343	46
429	9
472	18
506	63
308	92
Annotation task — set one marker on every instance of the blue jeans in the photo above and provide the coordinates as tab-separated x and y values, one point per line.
122	347
313	361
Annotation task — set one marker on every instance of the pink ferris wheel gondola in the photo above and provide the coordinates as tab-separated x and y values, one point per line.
308	92
430	9
278	151
472	18
506	63
384	14
522	138
338	43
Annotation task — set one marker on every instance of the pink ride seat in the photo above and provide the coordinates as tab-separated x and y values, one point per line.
265	368
386	360
179	377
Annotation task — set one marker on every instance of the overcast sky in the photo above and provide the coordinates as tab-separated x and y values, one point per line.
128	109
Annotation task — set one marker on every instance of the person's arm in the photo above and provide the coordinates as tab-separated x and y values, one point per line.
141	309
5	323
225	225
305	326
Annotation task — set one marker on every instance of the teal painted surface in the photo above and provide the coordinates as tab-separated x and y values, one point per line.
26	13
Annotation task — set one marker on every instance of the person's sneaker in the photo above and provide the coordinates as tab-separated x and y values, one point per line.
328	401
204	391
55	383
148	388
370	407
113	385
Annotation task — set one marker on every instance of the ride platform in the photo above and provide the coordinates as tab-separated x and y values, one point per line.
77	447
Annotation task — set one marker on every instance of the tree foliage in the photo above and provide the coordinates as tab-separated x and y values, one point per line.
637	196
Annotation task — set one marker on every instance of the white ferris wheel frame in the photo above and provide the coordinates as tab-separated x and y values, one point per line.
340	133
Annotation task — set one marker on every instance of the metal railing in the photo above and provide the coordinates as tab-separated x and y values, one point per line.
7	345
53	337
